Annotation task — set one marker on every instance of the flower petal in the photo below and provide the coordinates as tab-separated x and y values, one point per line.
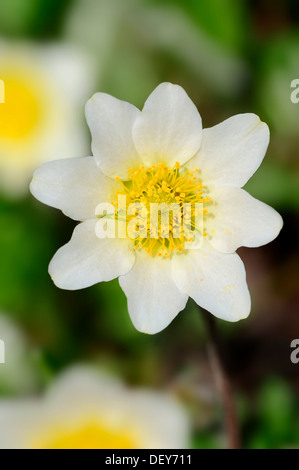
161	421
19	421
241	220
74	185
169	128
110	121
153	298
86	259
216	281
232	151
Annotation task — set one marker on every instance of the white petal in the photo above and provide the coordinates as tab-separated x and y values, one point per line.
20	423
153	298
74	185
216	281
241	220
86	259
160	420
232	151
83	381
110	121
169	128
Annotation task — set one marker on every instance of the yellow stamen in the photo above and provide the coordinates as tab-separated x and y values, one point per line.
159	184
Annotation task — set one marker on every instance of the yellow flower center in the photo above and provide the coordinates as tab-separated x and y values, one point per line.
86	436
21	111
158	189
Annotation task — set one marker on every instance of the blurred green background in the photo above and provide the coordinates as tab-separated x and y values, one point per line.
231	56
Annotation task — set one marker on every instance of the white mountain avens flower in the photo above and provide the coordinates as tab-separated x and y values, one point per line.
162	155
43	89
87	409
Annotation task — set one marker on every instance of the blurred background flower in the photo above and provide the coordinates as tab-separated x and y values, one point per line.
231	56
86	409
45	88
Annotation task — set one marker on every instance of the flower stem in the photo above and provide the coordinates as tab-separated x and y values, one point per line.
223	383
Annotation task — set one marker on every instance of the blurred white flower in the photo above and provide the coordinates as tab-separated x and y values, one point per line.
112	28
162	155
16	373
44	89
85	409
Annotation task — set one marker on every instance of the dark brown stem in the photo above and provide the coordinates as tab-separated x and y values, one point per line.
223	383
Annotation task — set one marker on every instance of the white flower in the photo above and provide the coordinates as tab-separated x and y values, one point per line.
85	409
162	154
44	88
